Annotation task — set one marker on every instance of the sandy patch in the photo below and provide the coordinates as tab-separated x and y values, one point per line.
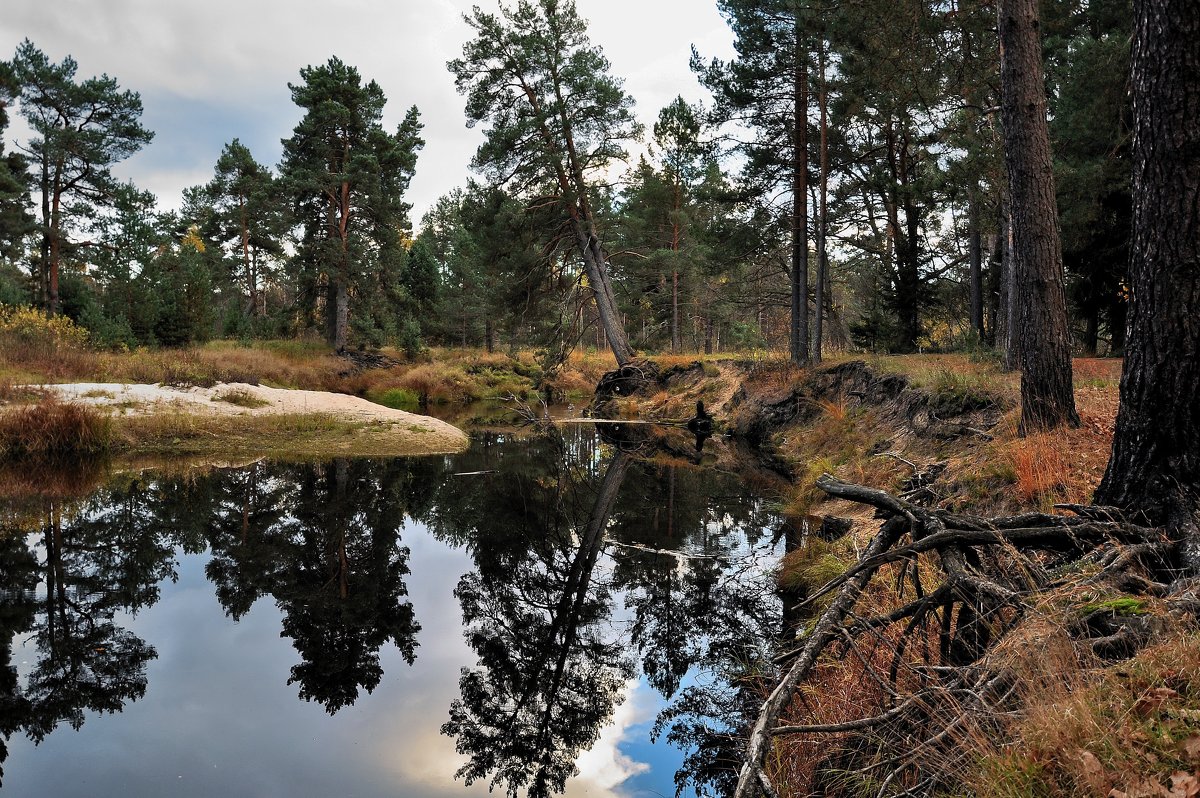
242	399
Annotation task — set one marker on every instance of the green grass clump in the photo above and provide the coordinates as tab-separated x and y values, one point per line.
241	398
955	392
1123	605
397	398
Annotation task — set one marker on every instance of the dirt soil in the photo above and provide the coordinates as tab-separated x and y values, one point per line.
429	435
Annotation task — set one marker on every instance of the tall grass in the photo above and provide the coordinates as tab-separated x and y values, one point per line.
53	428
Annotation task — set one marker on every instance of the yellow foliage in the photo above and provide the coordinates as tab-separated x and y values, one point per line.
27	326
192	239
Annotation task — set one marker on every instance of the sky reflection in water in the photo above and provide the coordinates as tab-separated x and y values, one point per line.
572	633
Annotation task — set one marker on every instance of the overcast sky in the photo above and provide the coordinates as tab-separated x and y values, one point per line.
209	72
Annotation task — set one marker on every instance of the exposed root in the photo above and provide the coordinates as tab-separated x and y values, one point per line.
944	664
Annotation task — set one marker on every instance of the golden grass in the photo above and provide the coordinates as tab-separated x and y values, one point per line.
240	398
1126	729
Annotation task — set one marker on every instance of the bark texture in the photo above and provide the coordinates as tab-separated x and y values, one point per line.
1155	464
1047	399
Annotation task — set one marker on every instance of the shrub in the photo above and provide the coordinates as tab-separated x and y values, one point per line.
30	338
240	397
396	398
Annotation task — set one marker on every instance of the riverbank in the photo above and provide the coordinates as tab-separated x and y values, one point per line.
995	635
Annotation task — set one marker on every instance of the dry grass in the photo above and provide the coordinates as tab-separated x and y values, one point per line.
52	428
240	398
1122	730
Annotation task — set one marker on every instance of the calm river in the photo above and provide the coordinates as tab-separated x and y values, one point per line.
543	613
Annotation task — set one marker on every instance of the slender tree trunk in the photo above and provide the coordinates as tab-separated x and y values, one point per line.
55	254
1010	342
1118	323
1047	398
822	214
677	203
341	318
975	254
247	261
1155	463
799	329
993	282
676	342
44	266
602	290
1091	329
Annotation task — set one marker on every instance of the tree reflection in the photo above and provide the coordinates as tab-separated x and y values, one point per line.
324	541
96	559
553	655
591	563
548	677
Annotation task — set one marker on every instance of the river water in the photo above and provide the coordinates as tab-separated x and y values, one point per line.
543	613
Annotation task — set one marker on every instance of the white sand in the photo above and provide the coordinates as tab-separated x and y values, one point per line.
433	435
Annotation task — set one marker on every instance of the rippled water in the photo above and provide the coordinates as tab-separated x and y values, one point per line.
521	615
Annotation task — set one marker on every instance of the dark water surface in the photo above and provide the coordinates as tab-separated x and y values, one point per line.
373	627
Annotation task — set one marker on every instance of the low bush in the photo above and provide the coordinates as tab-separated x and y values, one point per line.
396	398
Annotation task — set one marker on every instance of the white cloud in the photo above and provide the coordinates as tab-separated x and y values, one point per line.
604	768
209	72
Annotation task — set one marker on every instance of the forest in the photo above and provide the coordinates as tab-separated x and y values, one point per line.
857	167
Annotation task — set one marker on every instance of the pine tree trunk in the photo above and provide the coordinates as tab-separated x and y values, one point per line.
822	216
602	290
799	327
1009	342
975	252
676	343
1155	464
1047	398
341	314
55	256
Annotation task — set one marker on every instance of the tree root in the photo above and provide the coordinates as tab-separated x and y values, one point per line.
990	575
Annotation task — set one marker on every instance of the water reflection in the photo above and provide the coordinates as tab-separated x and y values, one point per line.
590	566
324	541
92	565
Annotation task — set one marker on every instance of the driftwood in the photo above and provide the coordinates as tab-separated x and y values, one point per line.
991	572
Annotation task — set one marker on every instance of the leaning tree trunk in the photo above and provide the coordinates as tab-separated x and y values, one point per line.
1155	464
1047	399
606	301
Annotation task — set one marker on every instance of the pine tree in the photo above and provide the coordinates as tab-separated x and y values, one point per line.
1155	463
1047	398
556	118
247	218
81	130
346	176
766	88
